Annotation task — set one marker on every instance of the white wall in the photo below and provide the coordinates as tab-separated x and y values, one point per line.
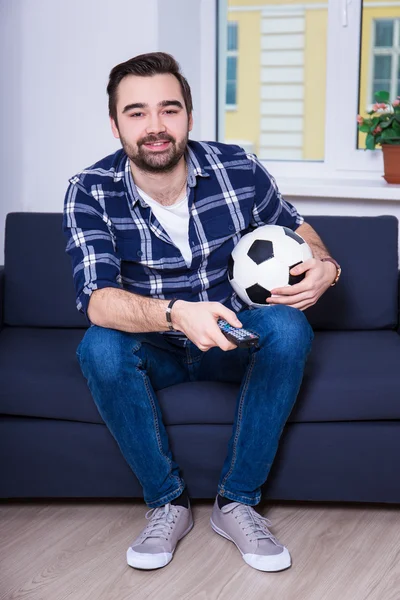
55	57
55	60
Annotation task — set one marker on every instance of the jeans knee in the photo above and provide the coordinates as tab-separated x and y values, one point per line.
102	353
289	328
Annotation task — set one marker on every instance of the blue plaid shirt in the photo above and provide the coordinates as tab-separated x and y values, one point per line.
114	239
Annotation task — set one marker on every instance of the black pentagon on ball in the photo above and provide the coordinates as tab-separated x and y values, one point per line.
295	278
230	268
260	251
293	235
258	294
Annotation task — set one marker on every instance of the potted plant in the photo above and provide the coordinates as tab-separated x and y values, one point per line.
383	127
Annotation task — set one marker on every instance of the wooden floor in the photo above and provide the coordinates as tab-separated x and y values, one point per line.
76	551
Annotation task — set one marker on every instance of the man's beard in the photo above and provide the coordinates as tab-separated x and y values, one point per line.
155	162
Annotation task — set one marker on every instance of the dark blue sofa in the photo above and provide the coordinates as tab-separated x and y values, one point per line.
342	442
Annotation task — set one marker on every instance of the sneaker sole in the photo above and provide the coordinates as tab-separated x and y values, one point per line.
138	560
271	564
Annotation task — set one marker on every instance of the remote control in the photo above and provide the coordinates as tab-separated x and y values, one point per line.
241	337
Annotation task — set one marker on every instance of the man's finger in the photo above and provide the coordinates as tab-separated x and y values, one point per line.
229	315
289	300
291	290
303	267
223	342
303	305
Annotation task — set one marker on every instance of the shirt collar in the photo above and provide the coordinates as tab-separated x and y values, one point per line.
195	170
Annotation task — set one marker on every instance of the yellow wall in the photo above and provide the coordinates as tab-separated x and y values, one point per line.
315	84
244	123
270	2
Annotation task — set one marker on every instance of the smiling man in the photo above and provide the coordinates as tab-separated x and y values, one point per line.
150	230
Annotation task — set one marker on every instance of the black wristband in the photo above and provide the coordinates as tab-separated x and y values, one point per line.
168	313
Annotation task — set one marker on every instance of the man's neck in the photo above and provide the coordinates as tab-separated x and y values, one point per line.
165	188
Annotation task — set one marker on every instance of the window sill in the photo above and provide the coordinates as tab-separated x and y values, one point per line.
329	187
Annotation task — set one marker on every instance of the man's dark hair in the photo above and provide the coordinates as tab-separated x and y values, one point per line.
146	65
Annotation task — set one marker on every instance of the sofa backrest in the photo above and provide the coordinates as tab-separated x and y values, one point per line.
39	290
367	296
38	273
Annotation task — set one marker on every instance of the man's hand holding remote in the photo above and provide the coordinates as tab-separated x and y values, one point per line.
198	321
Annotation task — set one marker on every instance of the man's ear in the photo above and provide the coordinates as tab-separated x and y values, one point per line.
190	124
114	128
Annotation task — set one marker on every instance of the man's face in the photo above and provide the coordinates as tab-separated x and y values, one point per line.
153	124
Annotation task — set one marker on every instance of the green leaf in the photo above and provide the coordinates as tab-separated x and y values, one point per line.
387	123
382	96
370	142
396	126
389	134
393	141
364	128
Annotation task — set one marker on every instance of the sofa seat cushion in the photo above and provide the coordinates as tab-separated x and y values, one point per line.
349	376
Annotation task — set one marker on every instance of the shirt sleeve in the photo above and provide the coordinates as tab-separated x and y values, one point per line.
90	244
269	207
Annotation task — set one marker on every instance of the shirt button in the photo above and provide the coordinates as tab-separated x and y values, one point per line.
231	228
139	253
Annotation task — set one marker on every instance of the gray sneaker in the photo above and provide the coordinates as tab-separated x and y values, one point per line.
248	530
155	546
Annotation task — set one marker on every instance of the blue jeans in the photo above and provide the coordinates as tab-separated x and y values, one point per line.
124	370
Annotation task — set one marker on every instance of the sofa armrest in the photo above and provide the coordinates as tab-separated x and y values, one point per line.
1	296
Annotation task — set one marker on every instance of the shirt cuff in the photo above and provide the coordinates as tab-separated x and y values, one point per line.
82	301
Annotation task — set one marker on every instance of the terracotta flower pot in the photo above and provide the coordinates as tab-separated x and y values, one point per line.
391	162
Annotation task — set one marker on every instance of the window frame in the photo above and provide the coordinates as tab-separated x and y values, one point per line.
342	158
234	53
393	51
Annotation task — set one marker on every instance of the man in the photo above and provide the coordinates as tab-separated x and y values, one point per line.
150	230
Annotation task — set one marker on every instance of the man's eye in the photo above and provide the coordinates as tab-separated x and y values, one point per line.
171	112
137	114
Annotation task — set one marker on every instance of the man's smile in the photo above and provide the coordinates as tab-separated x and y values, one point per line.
161	145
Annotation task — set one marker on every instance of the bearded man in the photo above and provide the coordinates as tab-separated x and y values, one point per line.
150	231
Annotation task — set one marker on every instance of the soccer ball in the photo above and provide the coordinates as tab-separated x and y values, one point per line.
262	260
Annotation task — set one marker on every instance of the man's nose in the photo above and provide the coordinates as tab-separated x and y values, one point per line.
155	124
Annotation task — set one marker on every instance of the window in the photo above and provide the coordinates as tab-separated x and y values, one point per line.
281	75
231	65
306	69
380	55
386	58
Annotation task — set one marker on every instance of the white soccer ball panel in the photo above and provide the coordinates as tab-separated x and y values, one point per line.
240	291
245	271
289	252
307	252
272	274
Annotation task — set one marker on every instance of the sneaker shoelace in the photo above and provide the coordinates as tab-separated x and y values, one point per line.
161	521
255	524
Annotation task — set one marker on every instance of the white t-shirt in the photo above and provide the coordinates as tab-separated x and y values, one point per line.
175	220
